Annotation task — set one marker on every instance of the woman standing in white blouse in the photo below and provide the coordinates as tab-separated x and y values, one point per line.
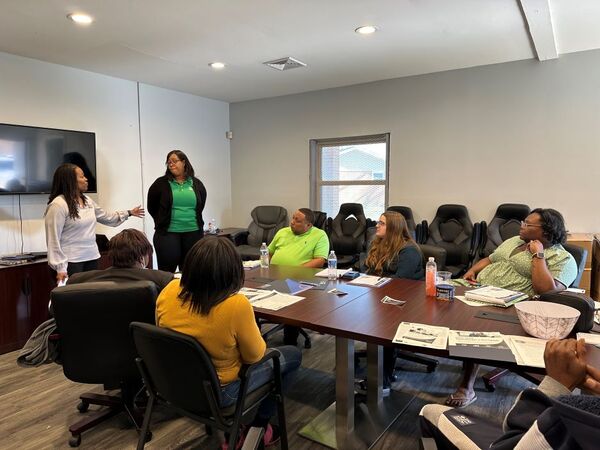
70	221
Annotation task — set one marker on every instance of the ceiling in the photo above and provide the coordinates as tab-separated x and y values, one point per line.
170	44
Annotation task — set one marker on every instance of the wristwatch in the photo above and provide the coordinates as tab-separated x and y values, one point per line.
539	255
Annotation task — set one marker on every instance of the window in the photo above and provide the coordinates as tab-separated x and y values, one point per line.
350	170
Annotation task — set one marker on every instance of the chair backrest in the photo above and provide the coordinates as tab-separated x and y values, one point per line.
348	229
320	219
438	253
504	225
580	256
451	229
408	216
178	368
93	322
266	221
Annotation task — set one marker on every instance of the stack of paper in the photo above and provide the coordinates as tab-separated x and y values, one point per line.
528	351
370	280
496	296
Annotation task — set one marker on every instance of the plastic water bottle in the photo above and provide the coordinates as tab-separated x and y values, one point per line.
211	226
430	277
332	266
264	256
214	225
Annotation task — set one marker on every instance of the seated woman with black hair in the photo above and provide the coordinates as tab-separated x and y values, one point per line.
533	263
206	305
393	253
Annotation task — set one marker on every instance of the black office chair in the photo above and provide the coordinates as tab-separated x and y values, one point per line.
580	255
453	230
96	348
266	221
320	219
178	371
347	236
408	216
504	225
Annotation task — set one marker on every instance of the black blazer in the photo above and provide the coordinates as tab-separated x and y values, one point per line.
160	202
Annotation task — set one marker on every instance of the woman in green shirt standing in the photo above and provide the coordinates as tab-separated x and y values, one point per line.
175	202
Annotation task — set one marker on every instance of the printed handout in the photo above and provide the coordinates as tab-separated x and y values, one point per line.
421	335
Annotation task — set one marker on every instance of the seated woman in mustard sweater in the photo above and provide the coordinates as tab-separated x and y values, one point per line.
205	304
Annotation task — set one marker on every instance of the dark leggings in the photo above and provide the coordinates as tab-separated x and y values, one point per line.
171	248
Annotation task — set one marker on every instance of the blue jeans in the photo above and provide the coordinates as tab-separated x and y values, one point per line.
290	359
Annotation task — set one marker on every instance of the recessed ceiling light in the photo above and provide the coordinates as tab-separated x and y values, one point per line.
217	65
367	29
80	18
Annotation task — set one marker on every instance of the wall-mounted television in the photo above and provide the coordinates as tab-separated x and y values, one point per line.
30	155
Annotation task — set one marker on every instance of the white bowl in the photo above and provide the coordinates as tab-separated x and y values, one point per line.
546	320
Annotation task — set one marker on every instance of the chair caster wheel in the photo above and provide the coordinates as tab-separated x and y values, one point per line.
83	407
74	441
307	344
148	436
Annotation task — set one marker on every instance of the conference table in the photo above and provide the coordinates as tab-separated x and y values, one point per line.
351	422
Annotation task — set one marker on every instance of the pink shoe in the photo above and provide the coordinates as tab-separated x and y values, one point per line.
272	436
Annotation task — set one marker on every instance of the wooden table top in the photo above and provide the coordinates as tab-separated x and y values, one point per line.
360	315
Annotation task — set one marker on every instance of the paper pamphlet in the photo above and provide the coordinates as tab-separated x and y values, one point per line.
590	338
492	294
392	301
528	351
272	300
325	273
479	344
472	302
370	280
421	335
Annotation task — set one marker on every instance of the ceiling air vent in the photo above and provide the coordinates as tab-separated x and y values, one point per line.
285	63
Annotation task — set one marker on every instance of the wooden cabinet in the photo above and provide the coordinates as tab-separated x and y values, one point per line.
24	294
584	240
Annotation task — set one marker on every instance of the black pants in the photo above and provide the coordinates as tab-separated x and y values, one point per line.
83	266
171	248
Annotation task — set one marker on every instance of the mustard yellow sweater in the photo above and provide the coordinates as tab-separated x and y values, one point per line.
228	333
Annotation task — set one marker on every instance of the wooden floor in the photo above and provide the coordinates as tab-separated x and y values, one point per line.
38	404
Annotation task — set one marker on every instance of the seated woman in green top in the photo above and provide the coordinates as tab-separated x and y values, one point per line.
534	262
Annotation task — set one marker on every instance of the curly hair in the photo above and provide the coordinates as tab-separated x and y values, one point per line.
64	182
553	225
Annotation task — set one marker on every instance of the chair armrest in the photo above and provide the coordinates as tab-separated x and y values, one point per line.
424	232
240	237
271	353
439	253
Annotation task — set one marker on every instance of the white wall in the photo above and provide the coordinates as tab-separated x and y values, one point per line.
516	132
48	95
197	126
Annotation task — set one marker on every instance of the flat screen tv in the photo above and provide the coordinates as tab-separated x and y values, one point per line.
30	155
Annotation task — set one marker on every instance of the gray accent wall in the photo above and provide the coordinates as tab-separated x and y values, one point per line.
522	132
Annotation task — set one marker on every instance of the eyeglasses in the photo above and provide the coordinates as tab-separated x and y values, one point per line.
525	224
380	223
172	162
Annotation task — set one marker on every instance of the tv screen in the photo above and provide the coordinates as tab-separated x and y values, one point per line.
30	155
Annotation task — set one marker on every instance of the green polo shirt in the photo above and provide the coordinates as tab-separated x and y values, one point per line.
289	249
514	272
183	211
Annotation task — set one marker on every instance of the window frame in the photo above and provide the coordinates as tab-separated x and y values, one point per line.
316	183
